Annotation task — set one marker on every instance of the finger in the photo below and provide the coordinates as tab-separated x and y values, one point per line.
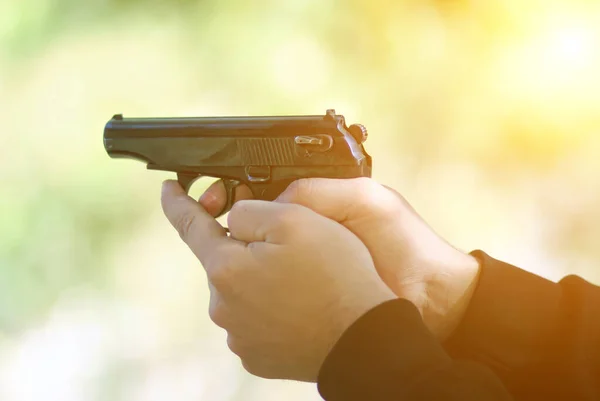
215	197
261	221
216	308
339	199
200	231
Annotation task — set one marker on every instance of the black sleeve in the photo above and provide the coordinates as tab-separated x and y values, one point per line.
541	338
523	338
389	355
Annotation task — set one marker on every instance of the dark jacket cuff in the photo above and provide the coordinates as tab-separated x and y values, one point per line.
390	335
509	320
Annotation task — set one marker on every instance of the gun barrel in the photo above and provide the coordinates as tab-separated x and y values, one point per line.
279	126
201	143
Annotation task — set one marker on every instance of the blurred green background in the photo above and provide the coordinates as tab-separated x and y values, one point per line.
484	114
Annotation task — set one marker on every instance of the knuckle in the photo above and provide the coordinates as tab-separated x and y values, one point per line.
239	206
238	209
221	278
184	224
210	263
259	369
375	197
235	346
221	273
299	189
255	361
288	216
252	368
216	312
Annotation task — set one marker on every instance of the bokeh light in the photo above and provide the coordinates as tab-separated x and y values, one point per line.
484	115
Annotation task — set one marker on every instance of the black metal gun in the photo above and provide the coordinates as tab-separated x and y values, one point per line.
264	153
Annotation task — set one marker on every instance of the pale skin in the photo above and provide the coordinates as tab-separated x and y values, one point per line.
297	272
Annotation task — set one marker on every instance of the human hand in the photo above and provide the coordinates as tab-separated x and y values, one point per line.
410	257
285	285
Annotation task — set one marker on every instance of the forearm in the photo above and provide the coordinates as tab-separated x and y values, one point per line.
539	337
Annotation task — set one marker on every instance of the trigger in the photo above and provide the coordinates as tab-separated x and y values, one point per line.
186	180
230	186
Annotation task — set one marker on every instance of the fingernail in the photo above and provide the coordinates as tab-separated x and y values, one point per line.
163	189
207	198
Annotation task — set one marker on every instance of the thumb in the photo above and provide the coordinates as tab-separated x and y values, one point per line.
341	199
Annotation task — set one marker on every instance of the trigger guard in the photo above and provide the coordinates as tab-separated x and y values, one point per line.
187	180
230	186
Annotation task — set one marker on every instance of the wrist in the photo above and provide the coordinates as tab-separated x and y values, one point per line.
350	309
454	286
469	277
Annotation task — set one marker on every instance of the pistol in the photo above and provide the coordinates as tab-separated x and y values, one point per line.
264	153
